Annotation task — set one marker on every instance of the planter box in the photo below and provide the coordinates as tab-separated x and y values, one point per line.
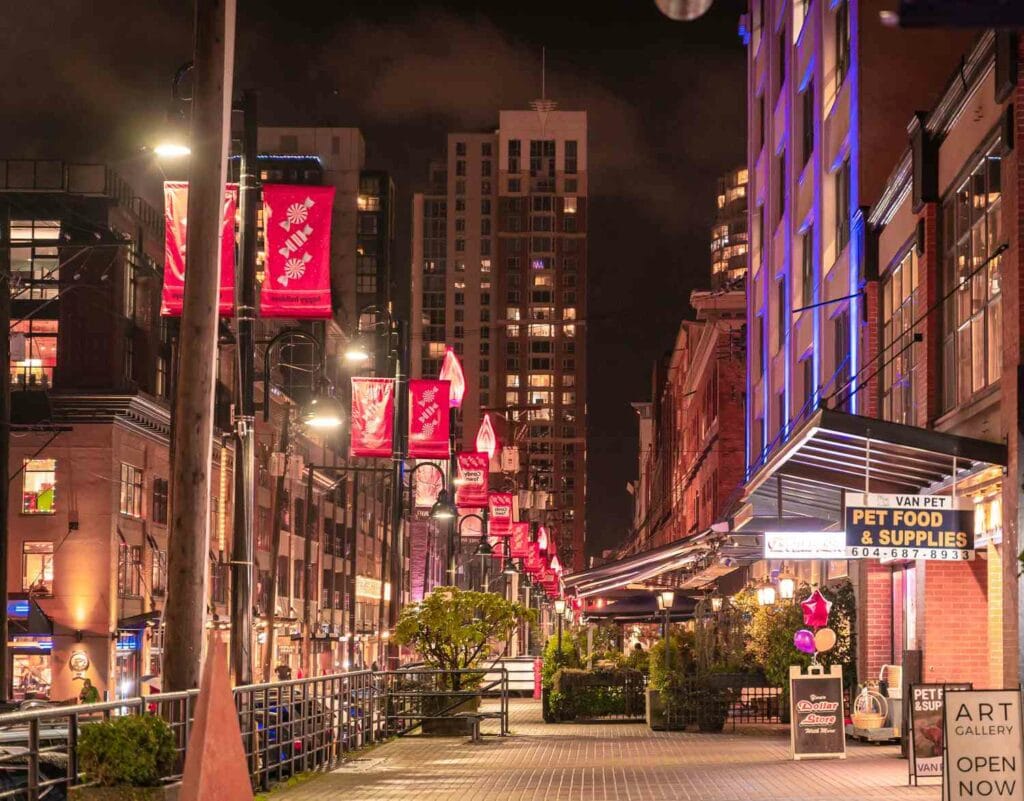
168	792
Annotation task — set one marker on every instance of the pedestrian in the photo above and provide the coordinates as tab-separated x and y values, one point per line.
375	668
89	693
283	671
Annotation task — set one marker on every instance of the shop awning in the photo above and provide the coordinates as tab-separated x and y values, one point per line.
140	621
834	452
636	606
642	567
25	618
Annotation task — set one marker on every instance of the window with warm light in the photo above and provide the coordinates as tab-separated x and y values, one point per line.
131	491
33	353
511	398
38	495
569	330
569	205
368	203
37	567
540	398
512	313
568	398
569	313
34	258
511	381
485	265
541	330
543	280
542	380
512	330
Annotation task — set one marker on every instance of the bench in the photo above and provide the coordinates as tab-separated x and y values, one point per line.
474	719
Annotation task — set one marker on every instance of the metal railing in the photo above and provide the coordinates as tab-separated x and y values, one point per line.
421	698
287	727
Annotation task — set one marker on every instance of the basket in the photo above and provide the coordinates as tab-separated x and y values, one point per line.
867	720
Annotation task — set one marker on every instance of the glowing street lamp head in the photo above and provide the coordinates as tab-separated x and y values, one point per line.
357	352
323	412
451	371
172	150
486	439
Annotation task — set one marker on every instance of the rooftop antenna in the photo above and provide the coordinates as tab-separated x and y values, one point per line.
543	104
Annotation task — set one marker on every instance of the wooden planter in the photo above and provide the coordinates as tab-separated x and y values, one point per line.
168	792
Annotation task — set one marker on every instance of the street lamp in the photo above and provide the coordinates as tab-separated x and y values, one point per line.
765	595
559	613
787	587
716	603
357	352
510	568
323	412
442	509
666	598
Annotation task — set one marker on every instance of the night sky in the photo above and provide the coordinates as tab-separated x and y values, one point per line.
666	111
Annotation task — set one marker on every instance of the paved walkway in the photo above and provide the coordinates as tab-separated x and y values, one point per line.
609	762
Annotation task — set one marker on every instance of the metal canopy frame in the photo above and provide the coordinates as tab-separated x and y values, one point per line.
835	452
641	567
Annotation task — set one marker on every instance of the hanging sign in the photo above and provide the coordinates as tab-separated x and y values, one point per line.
175	239
499	513
817	730
471	490
373	413
984	753
794	545
926	703
428	418
519	542
297	236
427	484
934	527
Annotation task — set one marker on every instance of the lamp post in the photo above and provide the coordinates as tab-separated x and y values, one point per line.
442	509
666	598
484	549
559	613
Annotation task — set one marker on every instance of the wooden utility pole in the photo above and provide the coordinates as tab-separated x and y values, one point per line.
5	433
192	431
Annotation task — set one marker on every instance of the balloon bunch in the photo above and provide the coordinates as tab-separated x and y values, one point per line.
816	610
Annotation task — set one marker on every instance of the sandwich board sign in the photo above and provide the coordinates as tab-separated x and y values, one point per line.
984	753
925	757
817	729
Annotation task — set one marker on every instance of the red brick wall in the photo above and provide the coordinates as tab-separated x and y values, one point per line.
874	622
872	372
954	622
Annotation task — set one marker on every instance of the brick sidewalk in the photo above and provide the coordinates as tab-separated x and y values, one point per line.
609	762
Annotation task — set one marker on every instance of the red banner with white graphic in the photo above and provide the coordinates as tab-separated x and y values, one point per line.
499	513
297	238
533	561
175	240
428	418
471	490
520	541
373	416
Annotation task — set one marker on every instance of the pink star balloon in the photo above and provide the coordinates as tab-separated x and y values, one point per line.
816	609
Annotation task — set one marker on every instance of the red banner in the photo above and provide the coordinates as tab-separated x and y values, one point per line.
373	416
499	513
471	489
175	239
533	562
297	236
520	542
428	418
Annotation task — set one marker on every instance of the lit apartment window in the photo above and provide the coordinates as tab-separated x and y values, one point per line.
569	205
131	491
540	398
33	353
569	330
539	330
569	313
159	571
543	280
158	511
40	486
37	568
512	330
972	231
512	381
485	265
542	380
368	203
34	258
898	314
129	570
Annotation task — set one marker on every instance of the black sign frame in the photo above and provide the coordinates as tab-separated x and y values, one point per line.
913	778
823	693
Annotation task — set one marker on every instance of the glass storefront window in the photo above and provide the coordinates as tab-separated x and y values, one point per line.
31	676
37	567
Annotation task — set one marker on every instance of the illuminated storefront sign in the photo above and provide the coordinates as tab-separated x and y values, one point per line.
932	527
367	587
804	545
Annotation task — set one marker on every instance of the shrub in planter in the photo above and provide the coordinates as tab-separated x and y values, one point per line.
590	694
134	751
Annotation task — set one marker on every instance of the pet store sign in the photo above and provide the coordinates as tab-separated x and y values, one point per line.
932	527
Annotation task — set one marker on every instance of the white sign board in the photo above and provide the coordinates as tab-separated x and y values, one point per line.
791	545
984	752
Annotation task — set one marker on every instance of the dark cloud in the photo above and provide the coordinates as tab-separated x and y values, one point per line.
665	103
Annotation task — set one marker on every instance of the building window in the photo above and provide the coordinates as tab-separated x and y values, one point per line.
842	43
898	351
158	513
570	156
218	582
807	268
37	568
841	359
781	197
514	155
781	306
34	259
33	353
781	76
808	119
460	148
129	570
842	206
972	348
485	169
282	576
131	491
159	572
515	185
809	388
38	496
485	149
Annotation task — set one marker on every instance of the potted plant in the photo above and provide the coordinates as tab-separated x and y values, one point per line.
554	660
126	759
663	677
457	630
